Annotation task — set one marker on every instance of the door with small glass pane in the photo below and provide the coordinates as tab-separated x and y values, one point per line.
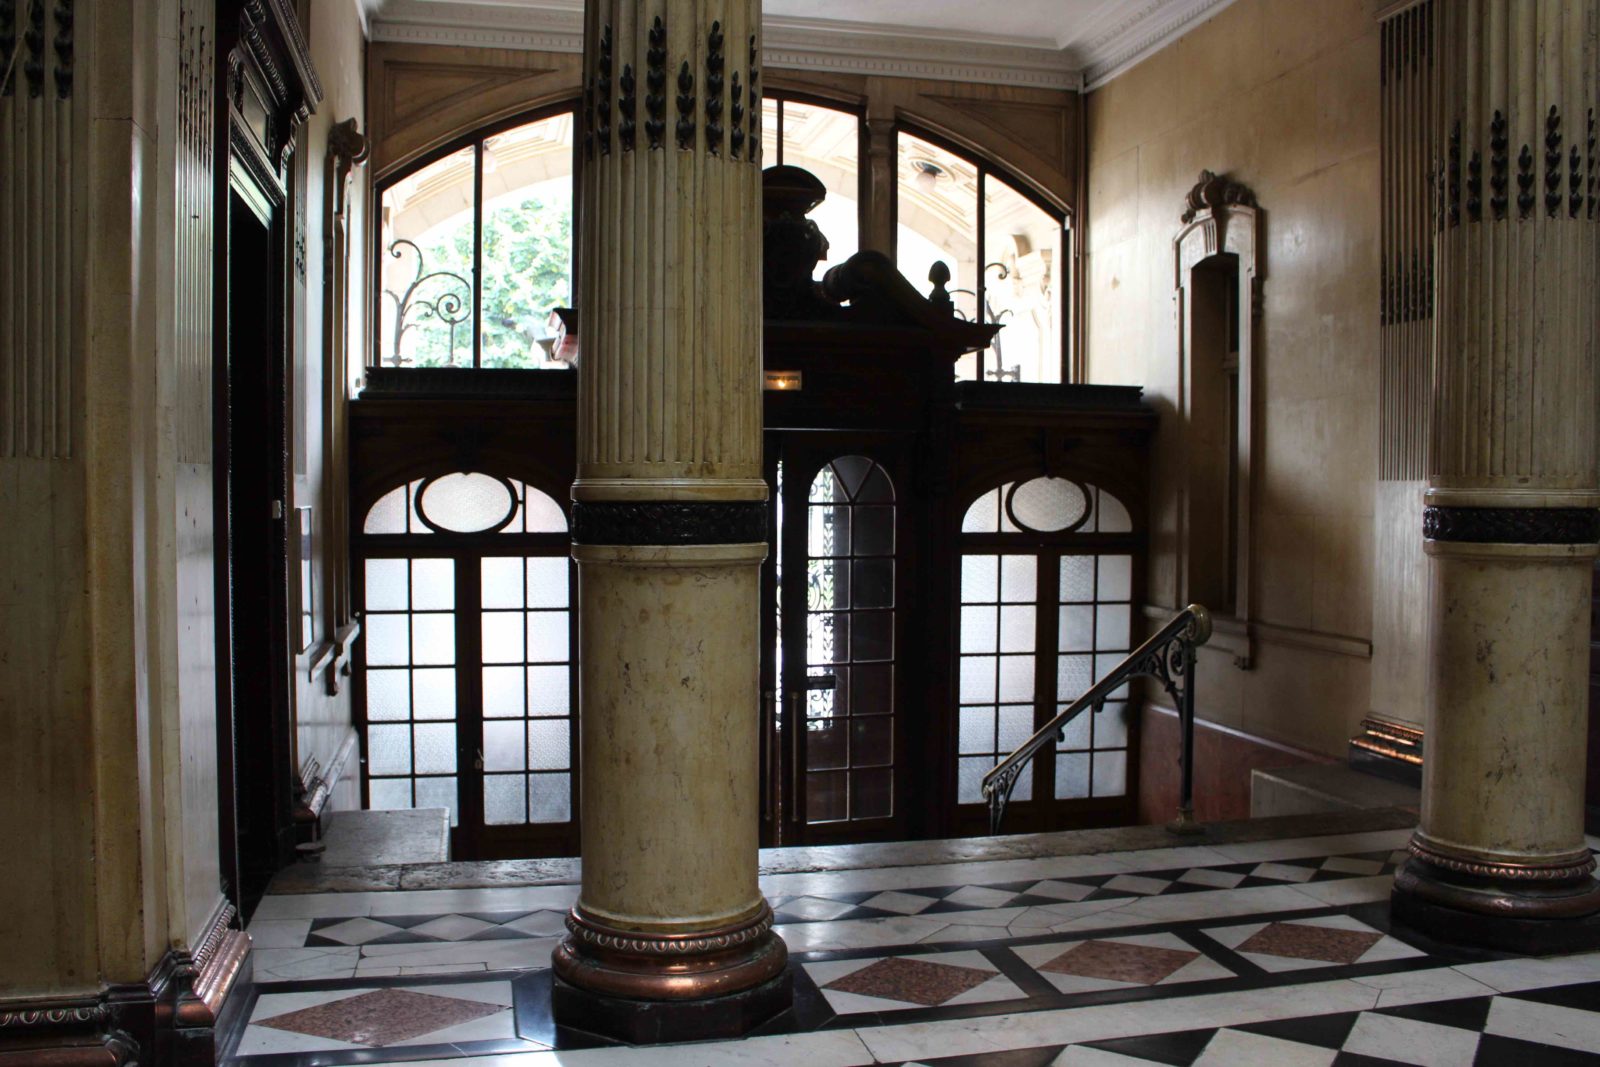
841	576
465	679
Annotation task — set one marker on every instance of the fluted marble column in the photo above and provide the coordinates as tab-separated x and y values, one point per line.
1511	522
670	937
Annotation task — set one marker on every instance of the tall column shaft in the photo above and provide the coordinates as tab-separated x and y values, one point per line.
669	524
1510	523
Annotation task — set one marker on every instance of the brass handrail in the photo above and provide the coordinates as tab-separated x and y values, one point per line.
1168	657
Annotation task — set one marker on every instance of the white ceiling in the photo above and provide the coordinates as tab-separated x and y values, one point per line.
1064	44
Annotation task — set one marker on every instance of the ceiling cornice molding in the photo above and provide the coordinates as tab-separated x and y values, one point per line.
1137	35
834	45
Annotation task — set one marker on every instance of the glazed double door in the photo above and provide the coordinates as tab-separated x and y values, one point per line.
835	738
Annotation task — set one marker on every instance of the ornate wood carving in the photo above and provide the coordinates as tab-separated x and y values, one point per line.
755	100
602	94
1213	192
736	118
1525	182
8	41
685	107
33	40
63	49
627	110
1498	166
655	98
715	61
1552	161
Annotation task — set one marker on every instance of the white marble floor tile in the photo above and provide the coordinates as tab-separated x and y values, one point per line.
272	1005
1209	877
1419	987
957	932
1057	890
1235	1048
1511	976
541	924
859	933
904	903
447	901
1136	883
436	968
1218	904
982	916
298	964
1083	1056
1166	859
279	933
994	990
1347	891
1200	968
357	931
978	897
1282	872
1550	1024
1035	920
317	905
815	908
264	1040
1351	865
1067	1026
1301	847
1411	1041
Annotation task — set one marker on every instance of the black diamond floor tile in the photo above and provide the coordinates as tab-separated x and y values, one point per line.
1469	1013
1178	1049
1325	1031
1496	1051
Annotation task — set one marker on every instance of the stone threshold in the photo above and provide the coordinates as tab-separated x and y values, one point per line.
497	874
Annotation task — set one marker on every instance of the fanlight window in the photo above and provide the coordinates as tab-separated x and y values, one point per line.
465	502
1046	505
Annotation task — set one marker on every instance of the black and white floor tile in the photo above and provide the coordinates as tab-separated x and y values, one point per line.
1272	953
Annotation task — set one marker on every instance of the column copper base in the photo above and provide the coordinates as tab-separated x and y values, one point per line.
644	987
1523	908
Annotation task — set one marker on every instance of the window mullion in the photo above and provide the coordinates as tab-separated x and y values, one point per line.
983	261
477	255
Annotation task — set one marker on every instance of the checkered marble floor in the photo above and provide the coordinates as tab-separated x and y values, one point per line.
1274	952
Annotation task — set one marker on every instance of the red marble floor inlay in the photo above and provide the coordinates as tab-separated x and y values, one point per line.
1299	942
381	1017
1117	961
912	980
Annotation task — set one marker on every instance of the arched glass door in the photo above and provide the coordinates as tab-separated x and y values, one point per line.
837	698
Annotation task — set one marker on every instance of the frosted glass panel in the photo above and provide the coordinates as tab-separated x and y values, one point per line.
547	637
1016	678
550	798
1072	776
873	531
502	582
438	793
388	794
977	730
433	639
505	800
1111	726
388	640
980	577
1016	628
1077	579
502	746
1016	726
978	629
1076	733
549	744
549	691
1074	676
502	637
388	515
434	692
984	514
1112	516
1048	504
547	582
541	513
1110	774
502	692
1116	577
969	779
388	749
388	695
1103	665
977	679
386	585
433	584
1019	579
435	748
1077	629
466	503
1113	625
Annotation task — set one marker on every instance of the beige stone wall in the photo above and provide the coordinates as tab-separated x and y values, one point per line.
323	722
1283	96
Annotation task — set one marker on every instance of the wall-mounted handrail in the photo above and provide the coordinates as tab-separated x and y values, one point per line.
1168	657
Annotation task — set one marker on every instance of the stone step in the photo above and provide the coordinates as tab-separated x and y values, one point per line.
363	838
1316	787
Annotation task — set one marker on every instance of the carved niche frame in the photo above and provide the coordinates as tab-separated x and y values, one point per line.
1220	217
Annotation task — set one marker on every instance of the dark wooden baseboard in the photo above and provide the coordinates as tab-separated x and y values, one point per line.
186	1013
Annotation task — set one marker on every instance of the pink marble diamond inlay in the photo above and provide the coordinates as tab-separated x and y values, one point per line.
381	1017
1298	942
915	981
1118	961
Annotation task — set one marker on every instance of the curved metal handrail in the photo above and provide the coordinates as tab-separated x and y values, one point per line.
1168	657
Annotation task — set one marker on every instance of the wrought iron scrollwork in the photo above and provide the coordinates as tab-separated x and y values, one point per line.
1168	657
421	301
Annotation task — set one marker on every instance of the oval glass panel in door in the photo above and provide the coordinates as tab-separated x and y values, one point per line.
466	503
850	653
1048	505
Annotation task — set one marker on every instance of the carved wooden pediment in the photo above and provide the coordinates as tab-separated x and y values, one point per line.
1214	191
